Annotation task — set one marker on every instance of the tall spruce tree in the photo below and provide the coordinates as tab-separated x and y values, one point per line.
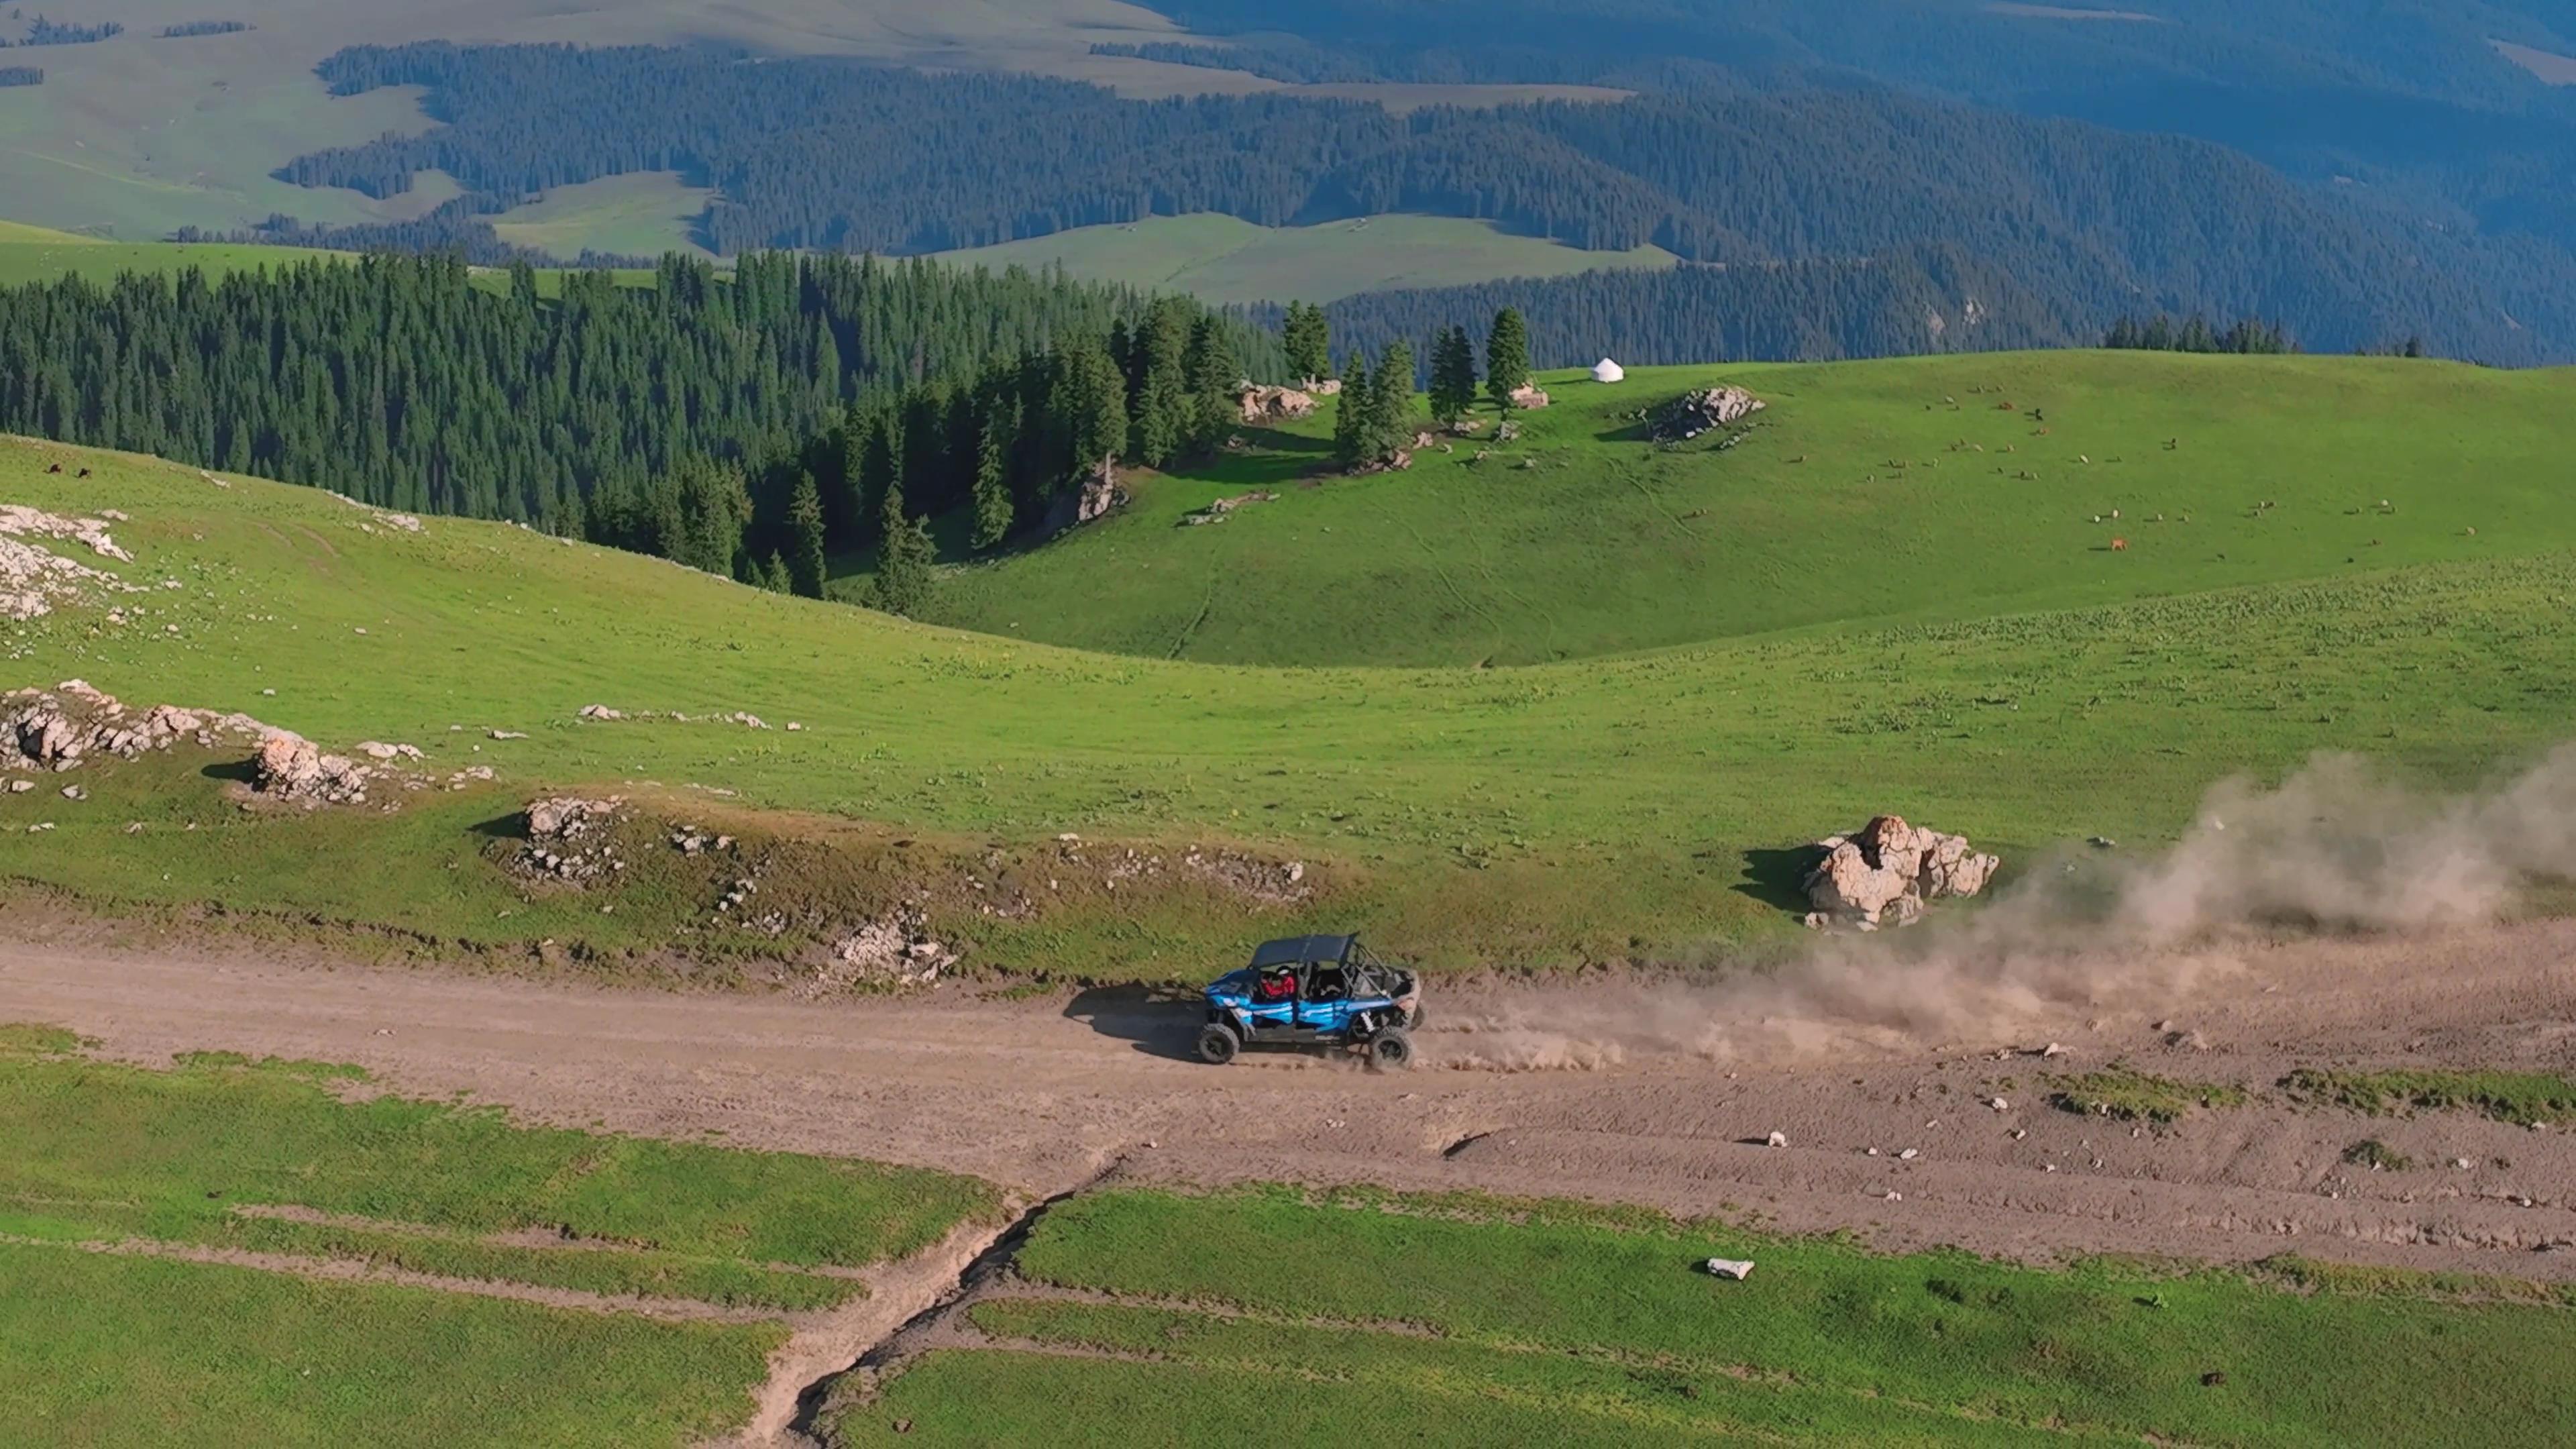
995	509
1308	340
904	560
1453	375
1390	410
808	566
1160	420
1506	357
1094	410
1214	374
1351	415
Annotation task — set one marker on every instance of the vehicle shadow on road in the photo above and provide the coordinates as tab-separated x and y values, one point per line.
1159	1020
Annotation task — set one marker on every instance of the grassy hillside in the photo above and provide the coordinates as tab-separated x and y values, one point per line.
1474	1321
1916	490
1586	809
51	260
641	215
1226	260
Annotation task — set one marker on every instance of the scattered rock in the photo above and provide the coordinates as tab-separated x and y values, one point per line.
1889	870
572	839
601	711
74	792
379	750
894	950
1223	508
1735	1269
1529	397
509	734
1776	1139
1702	410
34	580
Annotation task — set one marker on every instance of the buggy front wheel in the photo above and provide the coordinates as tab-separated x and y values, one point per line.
1218	1044
1391	1048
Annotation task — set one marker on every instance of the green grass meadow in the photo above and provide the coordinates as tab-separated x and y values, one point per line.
194	1154
1470	1320
2038	687
131	1310
1906	491
103	1350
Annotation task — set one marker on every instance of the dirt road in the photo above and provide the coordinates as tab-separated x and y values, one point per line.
1660	1095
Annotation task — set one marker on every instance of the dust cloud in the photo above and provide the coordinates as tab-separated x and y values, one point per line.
2338	846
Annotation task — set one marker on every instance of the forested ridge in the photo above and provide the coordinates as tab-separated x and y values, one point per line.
631	415
834	155
1904	301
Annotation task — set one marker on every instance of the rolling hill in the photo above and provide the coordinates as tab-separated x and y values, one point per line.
1901	492
1643	804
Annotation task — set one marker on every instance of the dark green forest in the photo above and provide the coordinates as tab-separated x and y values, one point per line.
1911	300
806	404
837	156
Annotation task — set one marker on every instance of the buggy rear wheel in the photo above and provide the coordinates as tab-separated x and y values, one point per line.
1218	1044
1391	1048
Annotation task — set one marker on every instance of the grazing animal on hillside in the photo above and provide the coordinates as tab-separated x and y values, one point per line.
55	469
2119	545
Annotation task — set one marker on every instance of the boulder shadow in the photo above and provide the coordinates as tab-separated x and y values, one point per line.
513	826
239	772
1777	878
1159	1021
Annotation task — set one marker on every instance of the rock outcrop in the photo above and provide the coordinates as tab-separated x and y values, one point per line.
1270	404
1098	496
292	768
1529	397
1886	872
58	728
1701	410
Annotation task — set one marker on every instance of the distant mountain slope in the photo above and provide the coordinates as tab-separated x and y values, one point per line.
2092	222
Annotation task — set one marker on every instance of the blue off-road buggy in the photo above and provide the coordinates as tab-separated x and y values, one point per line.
1313	991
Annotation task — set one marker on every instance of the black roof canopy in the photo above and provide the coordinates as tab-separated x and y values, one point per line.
1299	950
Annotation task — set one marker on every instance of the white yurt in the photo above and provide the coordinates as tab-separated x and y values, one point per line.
1607	371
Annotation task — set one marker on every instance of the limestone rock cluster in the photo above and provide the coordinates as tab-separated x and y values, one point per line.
1888	871
1703	410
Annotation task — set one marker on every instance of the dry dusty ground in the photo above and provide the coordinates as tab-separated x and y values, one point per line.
1651	1093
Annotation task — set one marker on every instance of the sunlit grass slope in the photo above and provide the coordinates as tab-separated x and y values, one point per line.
1586	809
1915	490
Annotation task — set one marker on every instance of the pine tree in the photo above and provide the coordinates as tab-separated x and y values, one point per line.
1390	409
1214	376
904	560
777	578
1161	420
1308	339
1095	411
805	523
1453	375
995	509
1351	416
1506	357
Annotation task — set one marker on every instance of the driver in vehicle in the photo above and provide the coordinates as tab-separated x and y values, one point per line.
1275	985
